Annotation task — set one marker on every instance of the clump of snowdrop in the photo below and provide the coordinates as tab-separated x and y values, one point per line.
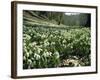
36	56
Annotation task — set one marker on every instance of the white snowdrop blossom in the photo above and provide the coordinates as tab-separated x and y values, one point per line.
57	54
24	58
30	52
51	35
43	36
47	54
64	41
27	54
29	61
27	37
46	43
34	43
39	50
53	43
37	56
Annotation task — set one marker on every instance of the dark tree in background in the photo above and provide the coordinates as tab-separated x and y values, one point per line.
88	24
85	20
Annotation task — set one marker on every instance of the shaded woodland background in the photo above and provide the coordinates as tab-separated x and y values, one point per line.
60	18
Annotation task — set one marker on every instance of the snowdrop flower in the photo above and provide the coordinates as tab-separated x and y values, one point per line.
52	43
47	54
46	43
29	61
57	54
37	57
39	50
27	54
27	37
24	58
34	43
43	36
64	41
51	35
30	52
50	53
